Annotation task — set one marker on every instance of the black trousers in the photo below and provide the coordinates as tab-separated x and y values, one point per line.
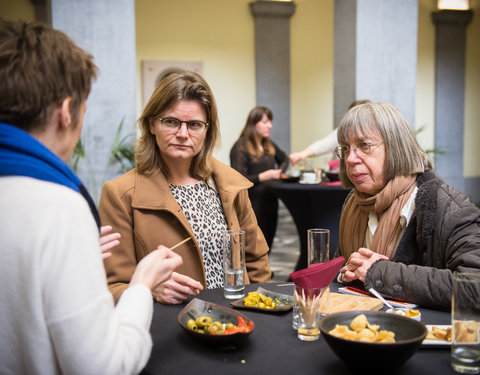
265	206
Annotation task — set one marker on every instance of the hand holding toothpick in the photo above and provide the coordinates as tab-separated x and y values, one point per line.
181	242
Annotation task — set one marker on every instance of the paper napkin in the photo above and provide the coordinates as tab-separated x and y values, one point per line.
319	275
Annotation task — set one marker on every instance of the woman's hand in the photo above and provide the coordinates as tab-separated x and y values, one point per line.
176	289
156	267
270	174
358	264
297	157
108	242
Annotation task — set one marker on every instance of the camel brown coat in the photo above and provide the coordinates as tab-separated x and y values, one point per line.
143	210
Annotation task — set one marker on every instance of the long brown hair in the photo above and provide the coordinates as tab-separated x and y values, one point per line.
249	132
178	86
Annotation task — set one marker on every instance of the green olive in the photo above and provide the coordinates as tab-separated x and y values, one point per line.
202	321
229	325
200	330
192	325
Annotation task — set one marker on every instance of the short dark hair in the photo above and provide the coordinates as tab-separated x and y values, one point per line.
39	68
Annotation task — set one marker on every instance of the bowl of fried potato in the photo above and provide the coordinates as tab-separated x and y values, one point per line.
372	341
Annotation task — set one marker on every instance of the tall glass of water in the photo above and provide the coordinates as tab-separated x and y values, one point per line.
233	264
318	250
318	245
466	323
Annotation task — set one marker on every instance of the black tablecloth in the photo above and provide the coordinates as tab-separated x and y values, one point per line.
272	349
312	206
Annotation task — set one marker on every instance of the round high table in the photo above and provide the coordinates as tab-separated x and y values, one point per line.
312	206
272	348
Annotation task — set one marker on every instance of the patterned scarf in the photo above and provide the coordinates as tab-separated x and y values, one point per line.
387	204
23	155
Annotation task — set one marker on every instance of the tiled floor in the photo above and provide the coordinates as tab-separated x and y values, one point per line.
286	246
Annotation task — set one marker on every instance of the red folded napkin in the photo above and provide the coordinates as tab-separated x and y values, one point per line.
319	275
334	183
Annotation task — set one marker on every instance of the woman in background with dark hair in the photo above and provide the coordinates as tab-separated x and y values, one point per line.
259	159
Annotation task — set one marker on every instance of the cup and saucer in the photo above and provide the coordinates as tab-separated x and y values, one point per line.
309	177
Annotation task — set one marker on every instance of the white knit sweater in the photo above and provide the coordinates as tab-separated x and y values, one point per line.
56	313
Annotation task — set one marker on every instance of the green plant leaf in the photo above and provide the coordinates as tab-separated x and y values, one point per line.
433	150
78	154
122	157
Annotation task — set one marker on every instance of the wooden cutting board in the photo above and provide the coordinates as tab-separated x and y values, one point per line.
335	302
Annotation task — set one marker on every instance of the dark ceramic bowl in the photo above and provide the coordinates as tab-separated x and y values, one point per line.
375	357
332	176
198	307
293	176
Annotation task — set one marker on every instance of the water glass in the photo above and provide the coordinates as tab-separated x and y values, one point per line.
318	246
295	315
466	323
233	264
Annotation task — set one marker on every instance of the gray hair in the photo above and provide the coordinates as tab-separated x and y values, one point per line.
403	154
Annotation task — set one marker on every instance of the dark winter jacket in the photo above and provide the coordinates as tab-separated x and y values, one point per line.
443	237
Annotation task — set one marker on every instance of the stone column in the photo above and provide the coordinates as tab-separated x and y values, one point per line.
450	37
43	11
106	29
375	54
272	62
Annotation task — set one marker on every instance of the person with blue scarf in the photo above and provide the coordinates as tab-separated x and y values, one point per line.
57	314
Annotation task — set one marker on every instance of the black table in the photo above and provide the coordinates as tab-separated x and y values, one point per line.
312	206
273	348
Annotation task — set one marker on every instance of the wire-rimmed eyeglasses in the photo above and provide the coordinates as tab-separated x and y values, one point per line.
172	124
361	149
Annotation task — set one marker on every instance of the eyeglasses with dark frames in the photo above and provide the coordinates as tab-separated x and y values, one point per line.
361	149
172	124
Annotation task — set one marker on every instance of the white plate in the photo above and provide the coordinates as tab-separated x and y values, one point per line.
310	182
436	343
404	313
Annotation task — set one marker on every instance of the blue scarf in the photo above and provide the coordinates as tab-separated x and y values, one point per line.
22	155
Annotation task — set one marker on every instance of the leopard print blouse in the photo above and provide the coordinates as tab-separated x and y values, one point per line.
202	207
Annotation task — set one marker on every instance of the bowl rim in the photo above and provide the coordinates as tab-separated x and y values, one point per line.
219	338
417	339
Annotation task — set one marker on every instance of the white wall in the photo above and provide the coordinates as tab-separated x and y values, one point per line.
312	74
224	41
219	35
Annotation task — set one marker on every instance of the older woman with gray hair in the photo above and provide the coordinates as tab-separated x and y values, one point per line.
403	230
